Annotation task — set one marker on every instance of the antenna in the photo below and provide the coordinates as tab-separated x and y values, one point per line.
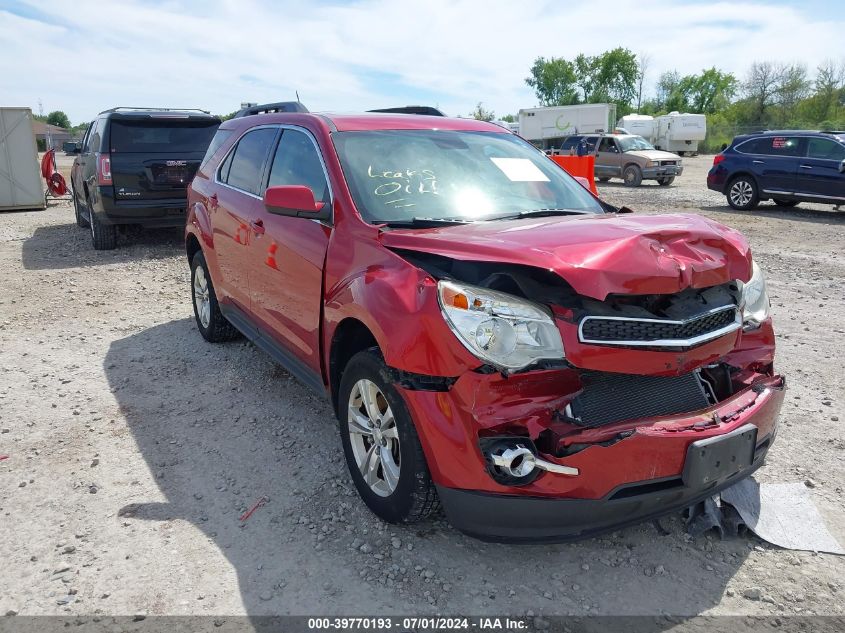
297	96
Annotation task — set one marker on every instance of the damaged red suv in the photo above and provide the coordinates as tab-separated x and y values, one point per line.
493	338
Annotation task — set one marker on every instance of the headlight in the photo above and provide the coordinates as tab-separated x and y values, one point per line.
504	330
755	299
651	163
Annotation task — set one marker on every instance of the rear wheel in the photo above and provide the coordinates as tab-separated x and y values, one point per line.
633	176
210	320
786	203
381	445
742	193
665	182
103	236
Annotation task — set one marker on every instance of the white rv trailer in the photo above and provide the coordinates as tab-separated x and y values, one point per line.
546	127
680	133
639	124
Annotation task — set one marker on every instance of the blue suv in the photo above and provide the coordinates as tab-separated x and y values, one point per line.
787	167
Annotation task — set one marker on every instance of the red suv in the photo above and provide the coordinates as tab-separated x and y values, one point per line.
492	337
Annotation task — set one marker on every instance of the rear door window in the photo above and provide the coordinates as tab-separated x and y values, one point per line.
570	142
825	149
297	163
773	146
245	166
161	136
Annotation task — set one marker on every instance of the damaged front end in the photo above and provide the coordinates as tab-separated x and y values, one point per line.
598	433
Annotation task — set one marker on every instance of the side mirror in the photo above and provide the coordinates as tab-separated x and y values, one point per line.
294	201
77	148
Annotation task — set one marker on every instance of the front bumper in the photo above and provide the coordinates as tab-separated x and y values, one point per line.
628	472
663	171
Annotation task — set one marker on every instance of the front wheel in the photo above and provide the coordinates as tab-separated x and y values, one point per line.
742	194
633	176
381	445
786	203
665	182
81	222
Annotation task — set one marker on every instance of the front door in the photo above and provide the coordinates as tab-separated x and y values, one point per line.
819	172
288	258
608	159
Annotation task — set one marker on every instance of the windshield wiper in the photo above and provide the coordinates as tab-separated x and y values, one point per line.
533	213
421	223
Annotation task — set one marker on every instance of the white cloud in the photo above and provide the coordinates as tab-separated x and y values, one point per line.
370	53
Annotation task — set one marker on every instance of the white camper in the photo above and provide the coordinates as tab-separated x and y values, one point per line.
546	127
639	124
680	133
20	178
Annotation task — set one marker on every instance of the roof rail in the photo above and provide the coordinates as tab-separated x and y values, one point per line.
411	109
117	109
266	108
837	132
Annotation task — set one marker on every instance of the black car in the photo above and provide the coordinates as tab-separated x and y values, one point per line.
134	166
787	167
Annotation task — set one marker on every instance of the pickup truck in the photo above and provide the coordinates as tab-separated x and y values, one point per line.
627	156
493	338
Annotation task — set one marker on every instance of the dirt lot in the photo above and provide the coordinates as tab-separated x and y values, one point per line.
134	446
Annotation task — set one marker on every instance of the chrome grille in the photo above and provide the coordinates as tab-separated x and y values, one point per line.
659	332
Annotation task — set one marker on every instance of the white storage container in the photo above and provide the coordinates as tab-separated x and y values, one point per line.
20	175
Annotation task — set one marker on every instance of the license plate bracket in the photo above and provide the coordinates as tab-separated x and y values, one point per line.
715	459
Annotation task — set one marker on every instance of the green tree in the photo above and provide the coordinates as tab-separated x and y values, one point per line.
58	118
510	118
667	87
480	114
760	89
553	81
617	72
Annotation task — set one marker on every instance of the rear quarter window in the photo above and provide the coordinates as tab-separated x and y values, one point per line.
159	136
220	137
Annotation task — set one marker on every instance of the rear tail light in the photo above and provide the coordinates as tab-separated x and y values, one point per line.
104	169
718	158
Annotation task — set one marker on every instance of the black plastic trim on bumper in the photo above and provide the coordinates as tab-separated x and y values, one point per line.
515	519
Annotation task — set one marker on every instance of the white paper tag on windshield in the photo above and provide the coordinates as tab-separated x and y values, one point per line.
520	170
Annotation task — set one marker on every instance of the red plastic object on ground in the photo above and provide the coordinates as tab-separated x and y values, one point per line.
55	181
583	166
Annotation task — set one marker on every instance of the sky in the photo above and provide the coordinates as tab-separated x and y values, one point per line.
84	56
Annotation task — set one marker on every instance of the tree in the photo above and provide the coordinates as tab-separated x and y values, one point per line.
510	118
59	119
706	93
793	87
645	62
553	81
480	114
760	88
830	80
667	86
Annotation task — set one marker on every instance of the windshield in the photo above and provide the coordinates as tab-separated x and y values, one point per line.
633	143
402	175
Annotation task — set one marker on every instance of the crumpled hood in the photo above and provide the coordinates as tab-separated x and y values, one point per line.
598	254
654	154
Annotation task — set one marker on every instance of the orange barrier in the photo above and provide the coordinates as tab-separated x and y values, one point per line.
583	166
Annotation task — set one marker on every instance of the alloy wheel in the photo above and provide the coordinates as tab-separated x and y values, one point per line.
202	301
374	437
741	193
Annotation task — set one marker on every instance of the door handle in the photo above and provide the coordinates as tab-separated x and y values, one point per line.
758	162
806	167
257	227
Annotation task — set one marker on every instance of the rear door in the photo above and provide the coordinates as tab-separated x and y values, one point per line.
819	174
288	259
774	162
235	208
154	157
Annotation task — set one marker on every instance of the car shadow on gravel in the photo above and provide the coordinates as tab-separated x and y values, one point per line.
772	211
252	459
58	246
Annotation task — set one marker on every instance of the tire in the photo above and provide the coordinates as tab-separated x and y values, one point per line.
665	182
81	222
742	193
632	175
408	494
210	320
681	153
604	179
786	203
103	236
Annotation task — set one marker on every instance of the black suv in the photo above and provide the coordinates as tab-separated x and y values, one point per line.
134	166
787	167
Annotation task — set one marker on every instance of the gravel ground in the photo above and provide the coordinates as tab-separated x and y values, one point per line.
134	447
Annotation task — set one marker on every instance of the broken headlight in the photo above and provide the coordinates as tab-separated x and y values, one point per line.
755	299
506	331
